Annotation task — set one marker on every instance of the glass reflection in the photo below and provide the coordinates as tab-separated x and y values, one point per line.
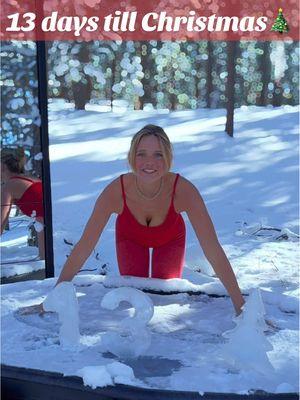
22	220
22	211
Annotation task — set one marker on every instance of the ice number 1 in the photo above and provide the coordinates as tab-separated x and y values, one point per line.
62	299
134	338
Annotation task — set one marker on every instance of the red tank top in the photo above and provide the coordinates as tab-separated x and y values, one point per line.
32	198
128	228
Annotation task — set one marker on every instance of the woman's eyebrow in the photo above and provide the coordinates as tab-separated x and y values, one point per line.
144	151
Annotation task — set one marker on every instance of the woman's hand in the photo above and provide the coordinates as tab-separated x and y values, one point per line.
35	309
238	312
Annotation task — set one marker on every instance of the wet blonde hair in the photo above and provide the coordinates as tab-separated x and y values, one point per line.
151	130
14	159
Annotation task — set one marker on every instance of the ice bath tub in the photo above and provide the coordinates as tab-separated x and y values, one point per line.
183	360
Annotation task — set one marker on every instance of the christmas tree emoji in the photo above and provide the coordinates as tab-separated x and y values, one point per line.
280	25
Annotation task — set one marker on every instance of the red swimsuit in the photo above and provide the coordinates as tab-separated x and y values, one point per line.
133	241
32	198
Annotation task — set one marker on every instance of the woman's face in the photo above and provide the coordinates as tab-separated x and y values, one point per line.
149	160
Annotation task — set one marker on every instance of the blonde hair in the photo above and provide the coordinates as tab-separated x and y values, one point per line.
164	141
14	159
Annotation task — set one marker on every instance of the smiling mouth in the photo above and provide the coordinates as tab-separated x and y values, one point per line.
149	171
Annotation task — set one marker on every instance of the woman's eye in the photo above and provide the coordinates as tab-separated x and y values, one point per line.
158	155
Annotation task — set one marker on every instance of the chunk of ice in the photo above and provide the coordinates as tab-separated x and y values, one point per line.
134	338
247	345
62	299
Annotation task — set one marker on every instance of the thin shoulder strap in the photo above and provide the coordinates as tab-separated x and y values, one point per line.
24	178
174	187
123	190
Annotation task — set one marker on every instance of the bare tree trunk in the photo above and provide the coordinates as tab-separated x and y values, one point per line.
173	97
82	93
139	100
209	86
231	52
82	90
277	94
197	64
145	61
266	74
113	78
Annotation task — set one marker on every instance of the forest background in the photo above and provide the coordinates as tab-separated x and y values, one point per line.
172	75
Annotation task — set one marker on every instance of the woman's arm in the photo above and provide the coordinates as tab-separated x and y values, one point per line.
104	207
106	204
6	203
204	229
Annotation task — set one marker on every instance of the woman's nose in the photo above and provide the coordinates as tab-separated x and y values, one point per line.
150	160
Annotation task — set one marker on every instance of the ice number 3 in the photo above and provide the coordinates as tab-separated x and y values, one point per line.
134	338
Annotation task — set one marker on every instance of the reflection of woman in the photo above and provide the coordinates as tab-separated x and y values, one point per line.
23	191
148	202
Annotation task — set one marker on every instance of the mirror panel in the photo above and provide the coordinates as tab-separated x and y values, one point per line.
22	238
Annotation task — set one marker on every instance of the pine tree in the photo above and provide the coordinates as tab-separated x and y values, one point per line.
280	25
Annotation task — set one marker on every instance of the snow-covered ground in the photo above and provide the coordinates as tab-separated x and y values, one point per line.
249	184
17	258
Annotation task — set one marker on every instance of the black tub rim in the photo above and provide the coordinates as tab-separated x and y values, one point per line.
26	383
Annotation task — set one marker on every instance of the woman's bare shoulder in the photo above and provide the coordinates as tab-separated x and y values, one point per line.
185	186
112	195
186	193
128	180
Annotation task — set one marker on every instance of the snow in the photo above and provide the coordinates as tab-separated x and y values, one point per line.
16	256
171	285
248	181
95	376
99	376
38	226
285	388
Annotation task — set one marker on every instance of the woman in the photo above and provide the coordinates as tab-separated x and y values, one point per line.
149	202
18	189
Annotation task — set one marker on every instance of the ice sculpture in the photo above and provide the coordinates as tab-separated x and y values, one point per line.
134	338
247	346
62	299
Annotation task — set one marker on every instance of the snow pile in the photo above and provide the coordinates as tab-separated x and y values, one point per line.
134	338
289	304
62	299
266	232
174	285
285	388
100	375
247	346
